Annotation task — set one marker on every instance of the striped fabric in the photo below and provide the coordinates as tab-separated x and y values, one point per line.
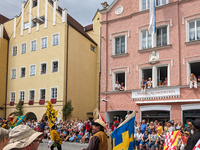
171	140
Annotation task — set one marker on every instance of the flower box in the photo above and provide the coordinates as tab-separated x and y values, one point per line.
12	103
53	100
41	101
30	102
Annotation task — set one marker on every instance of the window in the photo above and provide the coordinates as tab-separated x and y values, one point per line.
26	25
33	45
34	3
146	74
55	39
13	73
194	30
23	50
92	48
146	40
120	45
22	95
14	51
55	66
12	96
23	72
54	93
120	77
194	68
43	68
42	94
162	76
161	36
32	95
32	70
44	42
146	3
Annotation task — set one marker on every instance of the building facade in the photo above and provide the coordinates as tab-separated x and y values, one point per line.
3	64
50	57
127	56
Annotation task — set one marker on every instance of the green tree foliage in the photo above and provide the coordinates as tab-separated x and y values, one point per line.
67	109
19	108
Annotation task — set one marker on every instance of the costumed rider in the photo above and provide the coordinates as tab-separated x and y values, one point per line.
192	140
99	140
55	139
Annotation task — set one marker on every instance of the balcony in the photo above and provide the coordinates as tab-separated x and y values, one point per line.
53	100
41	101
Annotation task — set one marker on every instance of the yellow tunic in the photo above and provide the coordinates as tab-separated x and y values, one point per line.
159	130
55	136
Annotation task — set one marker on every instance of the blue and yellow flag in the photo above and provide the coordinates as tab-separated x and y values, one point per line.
123	135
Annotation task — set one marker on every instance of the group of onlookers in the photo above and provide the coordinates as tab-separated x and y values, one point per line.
152	135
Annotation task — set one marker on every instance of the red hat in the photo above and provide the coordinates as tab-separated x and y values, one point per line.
116	121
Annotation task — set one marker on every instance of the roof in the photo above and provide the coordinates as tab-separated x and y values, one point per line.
2	20
76	25
88	27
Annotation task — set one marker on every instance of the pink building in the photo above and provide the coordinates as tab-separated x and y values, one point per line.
127	56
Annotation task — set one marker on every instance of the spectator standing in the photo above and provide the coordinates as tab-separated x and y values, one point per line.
156	125
143	126
171	126
189	128
80	125
184	140
128	114
151	127
117	86
192	140
160	128
87	126
4	138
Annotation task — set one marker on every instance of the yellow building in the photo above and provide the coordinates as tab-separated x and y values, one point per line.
3	64
51	57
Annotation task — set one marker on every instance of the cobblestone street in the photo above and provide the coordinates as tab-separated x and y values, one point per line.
65	146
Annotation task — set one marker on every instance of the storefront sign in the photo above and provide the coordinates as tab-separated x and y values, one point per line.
156	94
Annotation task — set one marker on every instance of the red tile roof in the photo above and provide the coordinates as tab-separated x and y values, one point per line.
2	20
76	25
88	27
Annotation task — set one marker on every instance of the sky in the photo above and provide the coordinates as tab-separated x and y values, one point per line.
81	10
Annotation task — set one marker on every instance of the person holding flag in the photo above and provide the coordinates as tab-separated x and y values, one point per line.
100	138
192	140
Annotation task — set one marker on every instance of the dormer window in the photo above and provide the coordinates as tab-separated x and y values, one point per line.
34	3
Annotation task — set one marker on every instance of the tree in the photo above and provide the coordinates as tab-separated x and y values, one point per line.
19	108
67	109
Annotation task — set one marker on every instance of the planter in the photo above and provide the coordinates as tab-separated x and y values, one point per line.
53	101
41	101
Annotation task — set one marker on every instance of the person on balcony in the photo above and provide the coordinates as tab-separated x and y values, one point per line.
117	86
149	83
143	85
193	81
122	87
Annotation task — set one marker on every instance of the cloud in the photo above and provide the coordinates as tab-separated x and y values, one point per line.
81	10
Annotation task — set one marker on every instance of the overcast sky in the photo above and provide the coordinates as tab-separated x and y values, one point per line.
81	10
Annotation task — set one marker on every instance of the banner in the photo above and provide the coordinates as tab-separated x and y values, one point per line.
123	135
15	120
152	16
51	114
197	146
171	140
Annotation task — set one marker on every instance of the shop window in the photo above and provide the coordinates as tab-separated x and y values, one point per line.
43	68
120	45
161	116
55	66
31	95
23	72
14	51
34	3
194	30
195	70
191	115
162	76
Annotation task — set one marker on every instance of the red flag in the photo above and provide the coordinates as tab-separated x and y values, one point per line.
100	117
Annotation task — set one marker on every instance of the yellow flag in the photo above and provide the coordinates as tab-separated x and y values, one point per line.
51	114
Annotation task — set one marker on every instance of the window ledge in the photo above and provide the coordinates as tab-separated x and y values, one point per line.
32	75
155	48
119	55
192	42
